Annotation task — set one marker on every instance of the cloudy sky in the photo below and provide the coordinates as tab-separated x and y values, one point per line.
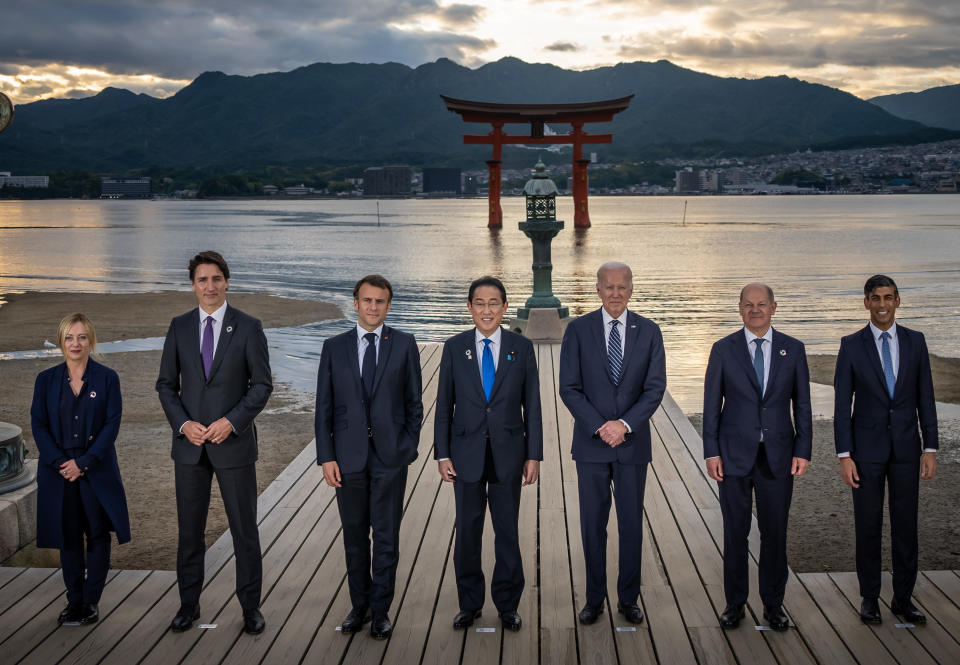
74	48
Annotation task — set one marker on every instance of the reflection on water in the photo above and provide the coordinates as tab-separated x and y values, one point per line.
815	251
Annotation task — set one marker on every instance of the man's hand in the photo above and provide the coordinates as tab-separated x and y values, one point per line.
70	470
715	469
531	471
447	472
219	431
928	466
613	432
195	432
799	466
331	473
848	470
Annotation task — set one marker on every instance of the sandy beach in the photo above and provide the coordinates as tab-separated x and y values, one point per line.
143	445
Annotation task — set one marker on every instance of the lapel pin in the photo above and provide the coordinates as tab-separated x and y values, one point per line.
229	329
93	394
510	355
783	352
469	354
633	325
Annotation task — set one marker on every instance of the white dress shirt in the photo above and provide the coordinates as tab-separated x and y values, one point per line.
766	348
362	344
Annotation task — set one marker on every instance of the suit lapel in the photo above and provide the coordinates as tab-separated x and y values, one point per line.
383	356
631	339
503	364
777	354
227	332
873	355
742	352
473	363
53	399
350	355
905	351
191	341
600	339
98	389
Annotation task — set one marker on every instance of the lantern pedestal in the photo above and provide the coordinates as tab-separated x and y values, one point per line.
541	233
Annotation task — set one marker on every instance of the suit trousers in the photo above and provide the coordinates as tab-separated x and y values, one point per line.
773	508
238	487
503	496
903	479
593	482
371	501
83	516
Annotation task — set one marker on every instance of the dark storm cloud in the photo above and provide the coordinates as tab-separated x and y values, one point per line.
562	47
177	39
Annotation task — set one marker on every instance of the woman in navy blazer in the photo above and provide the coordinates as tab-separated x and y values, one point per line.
75	418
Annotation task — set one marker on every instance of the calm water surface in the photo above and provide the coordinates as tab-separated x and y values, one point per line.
815	251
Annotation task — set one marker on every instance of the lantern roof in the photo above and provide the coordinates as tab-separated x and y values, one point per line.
540	184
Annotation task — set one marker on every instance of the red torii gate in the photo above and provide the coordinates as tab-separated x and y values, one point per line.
538	115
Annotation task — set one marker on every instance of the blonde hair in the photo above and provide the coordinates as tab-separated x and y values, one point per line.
67	323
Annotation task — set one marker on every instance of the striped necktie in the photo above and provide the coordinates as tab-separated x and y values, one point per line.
615	352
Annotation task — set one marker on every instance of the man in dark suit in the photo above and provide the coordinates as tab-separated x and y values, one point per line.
488	442
368	418
612	378
757	377
884	372
214	380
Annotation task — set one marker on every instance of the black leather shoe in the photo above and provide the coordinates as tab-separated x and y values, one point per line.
590	613
870	611
355	620
71	615
381	628
464	618
731	616
907	611
776	618
631	612
186	615
511	620
253	622
89	614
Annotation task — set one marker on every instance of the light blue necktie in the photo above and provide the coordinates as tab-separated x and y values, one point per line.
615	352
758	362
887	362
488	370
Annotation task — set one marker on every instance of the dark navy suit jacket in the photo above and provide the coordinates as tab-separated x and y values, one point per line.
238	387
464	418
396	407
734	413
879	428
103	405
591	396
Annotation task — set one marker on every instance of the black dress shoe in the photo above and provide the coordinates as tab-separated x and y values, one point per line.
731	616
631	612
380	628
511	620
89	614
355	620
464	618
253	622
71	615
870	611
590	613
776	618
186	615
907	611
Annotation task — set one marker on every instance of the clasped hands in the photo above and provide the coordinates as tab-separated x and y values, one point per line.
613	433
217	432
70	471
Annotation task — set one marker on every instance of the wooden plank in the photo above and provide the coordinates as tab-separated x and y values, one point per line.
7	574
480	646
898	641
860	640
940	606
22	585
710	645
62	640
947	582
29	605
521	648
444	644
108	633
933	637
633	643
668	635
557	630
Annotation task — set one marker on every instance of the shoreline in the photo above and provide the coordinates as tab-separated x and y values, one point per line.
946	374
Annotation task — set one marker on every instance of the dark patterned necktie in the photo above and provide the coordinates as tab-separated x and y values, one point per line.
206	347
615	352
369	363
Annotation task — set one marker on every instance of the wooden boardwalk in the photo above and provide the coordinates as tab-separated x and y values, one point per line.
305	595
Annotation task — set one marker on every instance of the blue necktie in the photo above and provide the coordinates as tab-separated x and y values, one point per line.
369	363
206	347
488	370
615	352
887	362
758	362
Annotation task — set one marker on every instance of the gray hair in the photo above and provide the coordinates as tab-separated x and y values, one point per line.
613	265
752	284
